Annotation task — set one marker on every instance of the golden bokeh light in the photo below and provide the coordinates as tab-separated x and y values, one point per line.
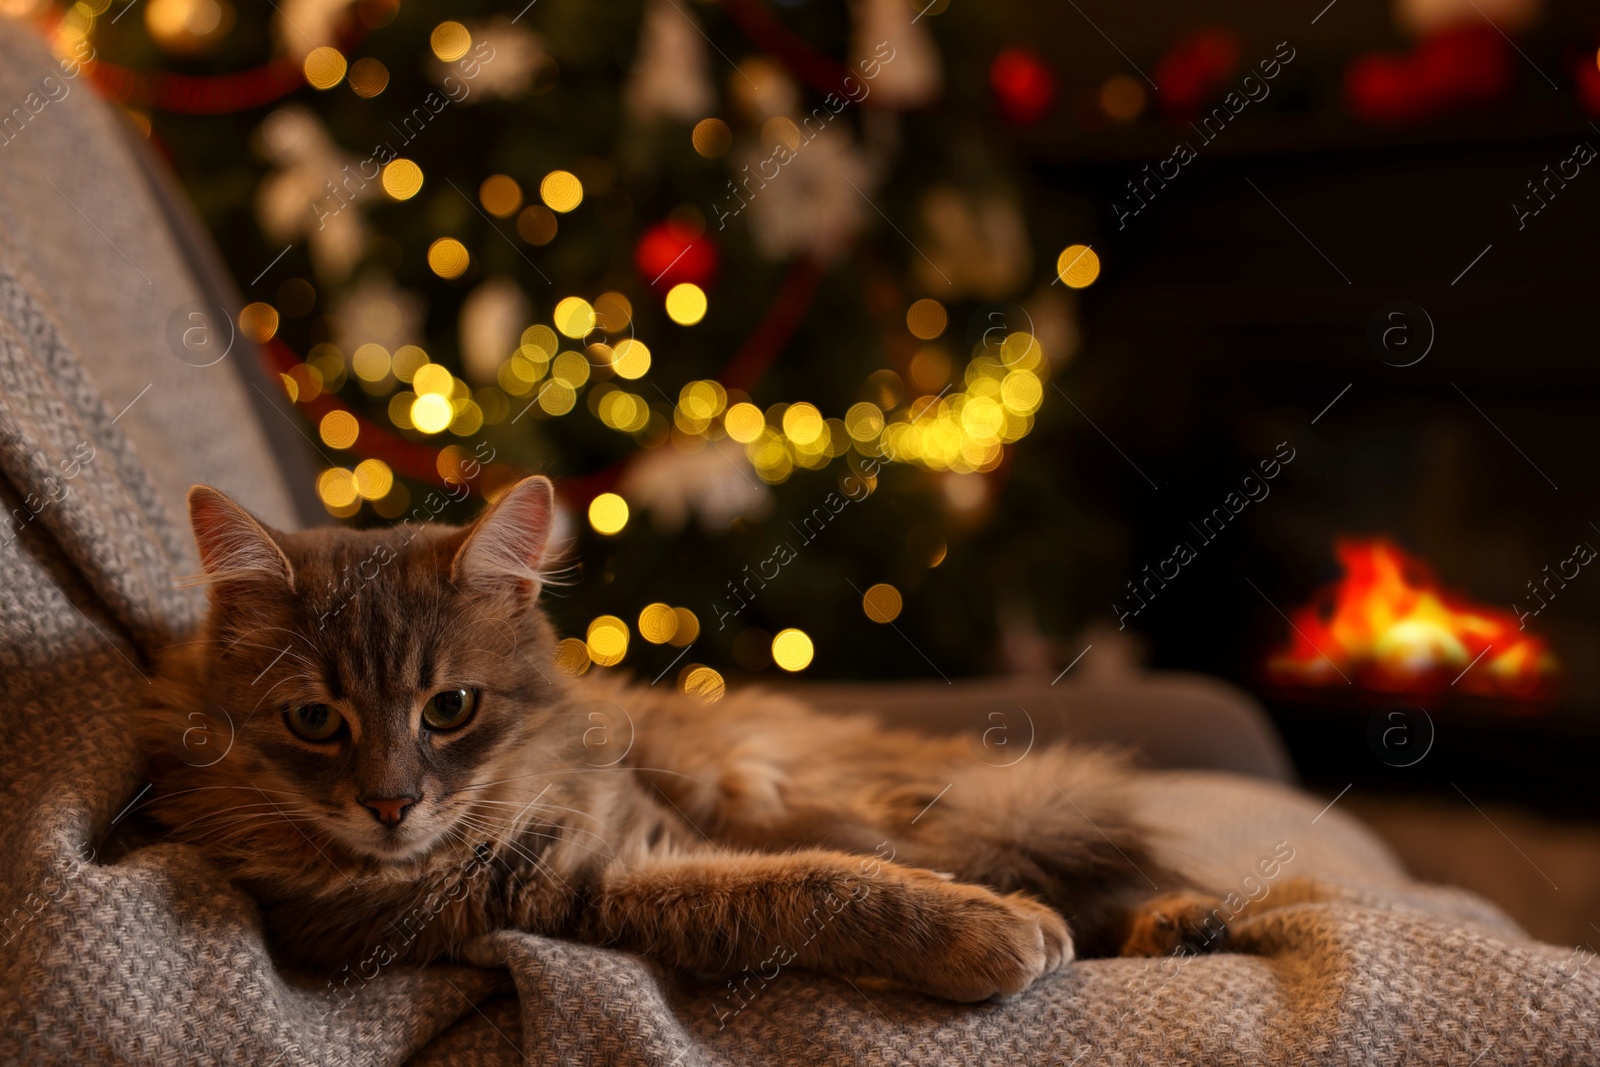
537	225
744	422
608	513
467	418
557	398
338	429
658	623
613	312
864	421
448	258
882	603
500	195
802	423
324	67
574	317
259	322
407	361
570	369
370	362
711	138
432	378
792	650
337	488
608	640
688	628
686	303
572	656
561	191
402	179
368	78
540	342
450	41
373	479
927	319
702	683
1078	266
630	358
431	413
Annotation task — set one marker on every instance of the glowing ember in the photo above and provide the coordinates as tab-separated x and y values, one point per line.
1389	627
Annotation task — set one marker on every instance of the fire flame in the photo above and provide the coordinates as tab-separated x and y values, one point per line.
1386	625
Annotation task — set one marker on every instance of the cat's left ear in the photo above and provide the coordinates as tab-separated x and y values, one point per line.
503	552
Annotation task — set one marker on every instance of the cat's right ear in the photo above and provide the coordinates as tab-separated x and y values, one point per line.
503	551
235	549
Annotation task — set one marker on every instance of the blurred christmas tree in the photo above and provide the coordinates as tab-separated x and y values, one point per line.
754	284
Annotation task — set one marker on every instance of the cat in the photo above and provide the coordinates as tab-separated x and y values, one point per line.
406	769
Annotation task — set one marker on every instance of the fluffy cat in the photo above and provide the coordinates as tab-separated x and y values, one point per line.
405	769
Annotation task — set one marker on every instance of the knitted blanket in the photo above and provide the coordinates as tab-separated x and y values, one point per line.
145	956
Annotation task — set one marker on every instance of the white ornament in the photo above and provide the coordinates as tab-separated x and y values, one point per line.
975	244
315	191
669	78
717	485
492	318
303	25
503	62
814	200
377	311
893	53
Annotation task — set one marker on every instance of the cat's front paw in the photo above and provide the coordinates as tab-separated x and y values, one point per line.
992	946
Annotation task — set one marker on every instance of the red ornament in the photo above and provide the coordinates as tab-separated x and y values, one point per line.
670	252
1023	86
1194	69
1455	68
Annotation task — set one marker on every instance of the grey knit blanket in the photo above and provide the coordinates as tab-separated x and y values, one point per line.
145	956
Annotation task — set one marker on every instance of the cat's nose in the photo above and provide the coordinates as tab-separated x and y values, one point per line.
389	810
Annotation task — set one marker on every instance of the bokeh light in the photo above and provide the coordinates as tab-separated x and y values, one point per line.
792	650
259	322
608	640
561	191
450	41
574	317
882	603
324	67
926	319
630	358
702	683
711	138
402	179
686	303
368	77
431	413
373	479
500	195
608	513
658	623
1078	266
572	656
448	258
338	429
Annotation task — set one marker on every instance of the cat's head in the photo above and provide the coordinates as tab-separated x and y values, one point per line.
372	686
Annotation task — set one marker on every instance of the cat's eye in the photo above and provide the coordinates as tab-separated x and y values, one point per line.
449	709
314	722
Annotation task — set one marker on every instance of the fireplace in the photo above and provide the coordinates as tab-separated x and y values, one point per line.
1247	312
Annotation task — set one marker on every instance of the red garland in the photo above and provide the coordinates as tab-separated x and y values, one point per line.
777	326
198	95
